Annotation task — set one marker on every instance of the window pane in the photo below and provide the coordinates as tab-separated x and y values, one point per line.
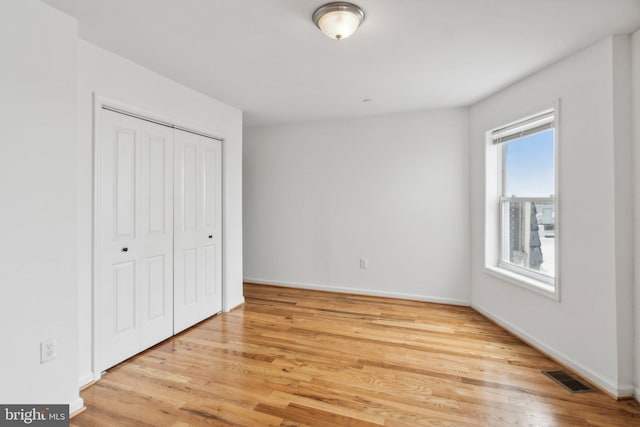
528	235
529	166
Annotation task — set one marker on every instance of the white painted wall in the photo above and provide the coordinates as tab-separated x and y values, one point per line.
623	205
114	77
635	84
38	298
393	189
585	330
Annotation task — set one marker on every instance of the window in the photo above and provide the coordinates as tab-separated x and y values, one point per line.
526	198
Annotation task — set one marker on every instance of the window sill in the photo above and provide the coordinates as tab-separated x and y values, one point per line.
528	283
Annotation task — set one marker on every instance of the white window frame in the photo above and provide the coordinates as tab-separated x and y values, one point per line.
496	199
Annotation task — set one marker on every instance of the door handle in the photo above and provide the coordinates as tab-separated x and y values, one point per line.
125	249
210	236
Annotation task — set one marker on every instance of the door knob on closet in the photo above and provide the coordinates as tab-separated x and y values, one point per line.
125	249
210	236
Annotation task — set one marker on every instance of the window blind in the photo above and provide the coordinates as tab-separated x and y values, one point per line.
529	126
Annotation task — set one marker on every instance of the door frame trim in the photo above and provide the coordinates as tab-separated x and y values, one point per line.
101	103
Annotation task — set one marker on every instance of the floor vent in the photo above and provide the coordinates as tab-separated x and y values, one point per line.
568	381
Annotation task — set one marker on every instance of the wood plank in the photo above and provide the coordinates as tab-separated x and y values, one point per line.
292	357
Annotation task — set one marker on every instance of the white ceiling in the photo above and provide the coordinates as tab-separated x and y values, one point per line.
267	58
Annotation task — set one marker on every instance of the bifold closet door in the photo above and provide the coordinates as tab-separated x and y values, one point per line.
197	229
136	229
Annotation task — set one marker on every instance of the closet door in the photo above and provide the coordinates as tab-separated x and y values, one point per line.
197	229
136	230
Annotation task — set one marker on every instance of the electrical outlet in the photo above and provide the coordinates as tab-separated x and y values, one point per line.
48	350
364	263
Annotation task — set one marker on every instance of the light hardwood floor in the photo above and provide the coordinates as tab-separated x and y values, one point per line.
294	358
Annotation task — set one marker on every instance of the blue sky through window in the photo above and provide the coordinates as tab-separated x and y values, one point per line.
529	166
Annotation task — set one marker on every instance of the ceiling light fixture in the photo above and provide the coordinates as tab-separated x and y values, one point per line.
339	19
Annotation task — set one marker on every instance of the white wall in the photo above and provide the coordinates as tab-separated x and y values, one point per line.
623	205
589	329
38	298
393	189
635	68
114	77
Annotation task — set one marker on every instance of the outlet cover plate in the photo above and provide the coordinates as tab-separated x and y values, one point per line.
48	350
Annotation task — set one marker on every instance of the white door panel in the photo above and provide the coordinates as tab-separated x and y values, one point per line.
160	258
136	267
156	284
155	164
124	197
156	236
189	188
124	293
211	270
197	224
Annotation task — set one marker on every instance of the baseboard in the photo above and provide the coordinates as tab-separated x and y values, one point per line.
235	307
626	392
603	384
76	407
85	380
358	291
78	412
